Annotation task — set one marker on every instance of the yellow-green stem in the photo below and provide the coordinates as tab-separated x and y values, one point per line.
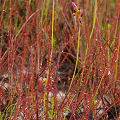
76	60
52	41
67	107
94	20
113	42
116	67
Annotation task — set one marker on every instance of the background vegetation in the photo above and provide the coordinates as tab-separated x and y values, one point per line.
58	62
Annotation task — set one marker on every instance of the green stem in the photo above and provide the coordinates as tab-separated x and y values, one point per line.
67	107
94	21
52	41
